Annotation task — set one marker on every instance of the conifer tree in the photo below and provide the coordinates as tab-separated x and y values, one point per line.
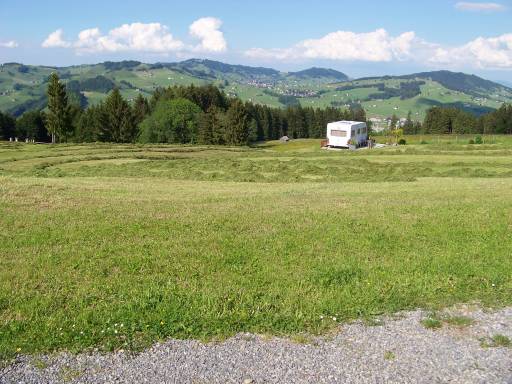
409	124
58	119
237	128
7	126
120	127
204	129
140	109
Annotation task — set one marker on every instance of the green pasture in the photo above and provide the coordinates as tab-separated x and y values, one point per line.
118	246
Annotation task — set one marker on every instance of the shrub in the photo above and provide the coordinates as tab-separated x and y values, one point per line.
423	142
402	142
471	141
478	140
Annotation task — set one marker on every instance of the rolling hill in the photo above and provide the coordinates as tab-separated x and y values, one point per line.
22	87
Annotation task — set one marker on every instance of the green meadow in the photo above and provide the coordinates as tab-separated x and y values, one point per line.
118	246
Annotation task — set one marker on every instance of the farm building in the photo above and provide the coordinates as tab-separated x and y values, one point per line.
346	134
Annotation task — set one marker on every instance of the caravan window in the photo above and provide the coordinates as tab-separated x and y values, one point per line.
338	133
358	131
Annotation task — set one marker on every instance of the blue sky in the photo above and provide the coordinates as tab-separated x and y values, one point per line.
360	38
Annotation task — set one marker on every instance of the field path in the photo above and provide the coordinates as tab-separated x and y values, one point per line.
396	349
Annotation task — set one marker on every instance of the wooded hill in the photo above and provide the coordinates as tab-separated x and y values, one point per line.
22	87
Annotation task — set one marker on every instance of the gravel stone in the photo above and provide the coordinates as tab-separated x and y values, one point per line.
398	350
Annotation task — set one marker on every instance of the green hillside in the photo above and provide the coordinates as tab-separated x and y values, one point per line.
22	87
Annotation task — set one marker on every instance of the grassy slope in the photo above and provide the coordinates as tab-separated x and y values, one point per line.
431	93
146	80
114	246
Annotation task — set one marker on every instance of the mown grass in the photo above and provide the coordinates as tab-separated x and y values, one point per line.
98	250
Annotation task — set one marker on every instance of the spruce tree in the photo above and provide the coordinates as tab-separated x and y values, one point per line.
7	126
237	130
58	120
219	124
409	125
204	128
120	127
140	109
253	131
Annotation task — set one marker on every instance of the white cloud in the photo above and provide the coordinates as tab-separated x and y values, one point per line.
207	30
376	46
143	37
55	40
484	53
152	37
480	7
9	44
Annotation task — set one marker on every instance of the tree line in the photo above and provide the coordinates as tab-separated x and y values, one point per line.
205	115
441	120
178	114
452	120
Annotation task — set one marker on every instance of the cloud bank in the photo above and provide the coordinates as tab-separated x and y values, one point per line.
376	46
9	44
380	46
483	53
143	37
479	7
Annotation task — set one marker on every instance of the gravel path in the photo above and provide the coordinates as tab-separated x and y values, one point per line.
399	350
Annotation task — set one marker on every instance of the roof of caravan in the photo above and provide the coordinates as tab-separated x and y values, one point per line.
345	122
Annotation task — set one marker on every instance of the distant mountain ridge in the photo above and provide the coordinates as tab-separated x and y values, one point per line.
316	72
456	81
212	69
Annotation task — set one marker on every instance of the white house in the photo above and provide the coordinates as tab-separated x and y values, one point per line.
346	134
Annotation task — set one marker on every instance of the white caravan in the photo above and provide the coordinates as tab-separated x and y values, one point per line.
347	134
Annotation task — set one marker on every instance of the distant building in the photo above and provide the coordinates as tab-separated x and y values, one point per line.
378	124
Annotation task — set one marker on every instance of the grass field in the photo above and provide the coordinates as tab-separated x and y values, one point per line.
117	246
432	93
